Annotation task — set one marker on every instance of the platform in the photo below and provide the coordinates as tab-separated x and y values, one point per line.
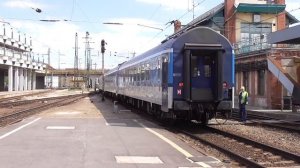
273	113
88	134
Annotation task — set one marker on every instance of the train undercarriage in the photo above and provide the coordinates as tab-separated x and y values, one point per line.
198	112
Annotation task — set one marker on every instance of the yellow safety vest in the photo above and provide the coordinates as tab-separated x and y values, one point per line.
244	98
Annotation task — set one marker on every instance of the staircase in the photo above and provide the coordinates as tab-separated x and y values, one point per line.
289	81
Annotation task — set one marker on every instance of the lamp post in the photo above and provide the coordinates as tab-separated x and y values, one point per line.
103	51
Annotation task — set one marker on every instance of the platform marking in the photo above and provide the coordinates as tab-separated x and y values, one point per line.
60	127
67	113
18	129
116	124
202	164
138	159
181	150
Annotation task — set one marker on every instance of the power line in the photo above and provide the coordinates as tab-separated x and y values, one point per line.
168	25
72	11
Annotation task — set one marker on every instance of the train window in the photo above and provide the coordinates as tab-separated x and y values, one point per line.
207	66
165	59
194	67
135	75
158	63
207	71
142	75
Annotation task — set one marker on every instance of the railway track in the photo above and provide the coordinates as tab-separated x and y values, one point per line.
269	122
244	150
24	102
21	113
19	97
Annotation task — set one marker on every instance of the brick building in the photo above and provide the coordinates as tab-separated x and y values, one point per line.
247	23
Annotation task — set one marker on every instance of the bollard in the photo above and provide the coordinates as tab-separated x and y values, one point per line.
116	107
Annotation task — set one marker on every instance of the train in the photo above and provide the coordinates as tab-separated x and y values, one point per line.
187	77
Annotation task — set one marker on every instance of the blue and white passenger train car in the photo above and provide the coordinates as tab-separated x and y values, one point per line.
187	77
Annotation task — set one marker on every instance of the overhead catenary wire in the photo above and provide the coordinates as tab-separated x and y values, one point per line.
72	10
169	24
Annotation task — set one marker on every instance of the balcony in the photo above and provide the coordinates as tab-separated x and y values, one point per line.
246	47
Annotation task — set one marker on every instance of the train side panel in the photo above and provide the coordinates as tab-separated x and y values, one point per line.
144	80
188	77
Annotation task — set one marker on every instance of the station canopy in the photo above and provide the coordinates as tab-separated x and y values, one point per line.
287	36
260	8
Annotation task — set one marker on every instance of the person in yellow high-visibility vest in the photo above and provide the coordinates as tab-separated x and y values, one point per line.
243	100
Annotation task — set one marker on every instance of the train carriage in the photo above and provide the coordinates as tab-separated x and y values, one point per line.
190	76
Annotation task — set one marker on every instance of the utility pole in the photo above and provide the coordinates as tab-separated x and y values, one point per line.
51	79
59	79
87	58
103	43
76	61
193	9
47	77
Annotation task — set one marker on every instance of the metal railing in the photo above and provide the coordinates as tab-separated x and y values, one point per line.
243	47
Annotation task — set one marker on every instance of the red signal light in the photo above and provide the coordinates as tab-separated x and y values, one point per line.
180	84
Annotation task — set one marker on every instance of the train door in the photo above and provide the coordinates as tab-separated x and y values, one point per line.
202	77
201	73
164	106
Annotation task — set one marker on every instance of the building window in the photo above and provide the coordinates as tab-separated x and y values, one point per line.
261	82
246	80
254	36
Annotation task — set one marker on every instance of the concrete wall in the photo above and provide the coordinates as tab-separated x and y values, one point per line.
2	76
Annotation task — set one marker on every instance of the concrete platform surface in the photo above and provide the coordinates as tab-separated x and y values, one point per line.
88	134
273	113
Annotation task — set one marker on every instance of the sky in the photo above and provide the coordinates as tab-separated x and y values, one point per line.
81	16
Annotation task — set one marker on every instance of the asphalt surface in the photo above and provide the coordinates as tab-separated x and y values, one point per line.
88	134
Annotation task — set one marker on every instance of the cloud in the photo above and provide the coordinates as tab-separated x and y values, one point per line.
170	4
127	38
60	37
22	4
293	7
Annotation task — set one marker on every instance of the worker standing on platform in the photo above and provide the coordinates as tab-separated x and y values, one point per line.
243	100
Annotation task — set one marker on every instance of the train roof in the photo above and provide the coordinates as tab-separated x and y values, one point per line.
198	35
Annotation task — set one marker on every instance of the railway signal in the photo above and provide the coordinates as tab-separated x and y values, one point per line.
103	43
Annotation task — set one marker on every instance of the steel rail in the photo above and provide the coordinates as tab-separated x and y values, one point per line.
42	107
22	102
280	152
235	156
20	96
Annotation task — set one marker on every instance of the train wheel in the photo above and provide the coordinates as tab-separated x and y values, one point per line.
203	114
221	117
204	118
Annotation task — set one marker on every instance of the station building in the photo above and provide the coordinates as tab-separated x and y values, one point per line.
19	70
247	23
